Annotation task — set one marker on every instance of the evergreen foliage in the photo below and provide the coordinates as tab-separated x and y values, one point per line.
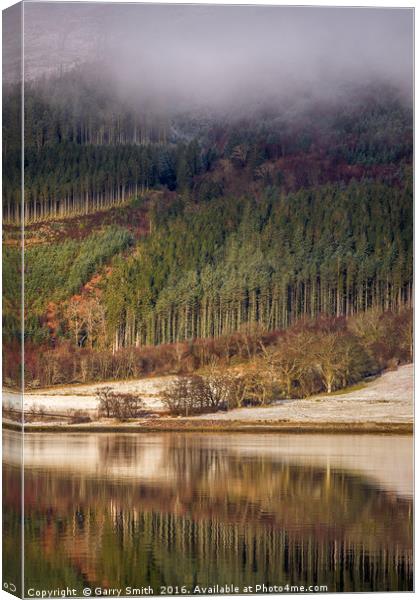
204	273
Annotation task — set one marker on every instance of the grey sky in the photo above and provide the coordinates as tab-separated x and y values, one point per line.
215	54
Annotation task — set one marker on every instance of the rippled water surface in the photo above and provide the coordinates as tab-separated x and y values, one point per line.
113	510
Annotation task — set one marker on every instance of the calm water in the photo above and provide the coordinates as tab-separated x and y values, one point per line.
186	509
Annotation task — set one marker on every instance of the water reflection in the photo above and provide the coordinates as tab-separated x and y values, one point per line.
186	509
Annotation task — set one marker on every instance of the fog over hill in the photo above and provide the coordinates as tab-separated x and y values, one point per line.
223	55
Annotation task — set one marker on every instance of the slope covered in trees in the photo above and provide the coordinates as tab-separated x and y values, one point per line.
148	229
204	273
206	270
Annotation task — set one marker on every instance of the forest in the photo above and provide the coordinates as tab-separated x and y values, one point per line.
149	231
88	148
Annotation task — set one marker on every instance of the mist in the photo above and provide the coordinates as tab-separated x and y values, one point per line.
224	56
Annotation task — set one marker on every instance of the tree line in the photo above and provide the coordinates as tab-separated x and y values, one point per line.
68	179
320	355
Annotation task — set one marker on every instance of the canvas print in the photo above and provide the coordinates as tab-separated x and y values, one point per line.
207	299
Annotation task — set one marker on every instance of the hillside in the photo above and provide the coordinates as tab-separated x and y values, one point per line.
154	229
87	148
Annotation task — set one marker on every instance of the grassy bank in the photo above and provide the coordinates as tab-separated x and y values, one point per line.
209	426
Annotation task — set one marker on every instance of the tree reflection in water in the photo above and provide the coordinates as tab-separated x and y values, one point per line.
179	510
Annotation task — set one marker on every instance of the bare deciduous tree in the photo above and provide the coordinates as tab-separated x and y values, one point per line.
121	406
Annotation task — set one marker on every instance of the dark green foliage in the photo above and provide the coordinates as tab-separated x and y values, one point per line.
380	133
86	148
330	250
12	293
67	178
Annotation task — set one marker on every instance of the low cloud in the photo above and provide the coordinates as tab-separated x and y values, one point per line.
223	55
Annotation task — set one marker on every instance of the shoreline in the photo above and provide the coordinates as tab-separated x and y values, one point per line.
208	426
383	406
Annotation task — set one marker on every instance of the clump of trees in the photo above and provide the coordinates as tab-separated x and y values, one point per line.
266	257
80	159
310	358
118	405
196	394
315	358
325	355
78	417
33	413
